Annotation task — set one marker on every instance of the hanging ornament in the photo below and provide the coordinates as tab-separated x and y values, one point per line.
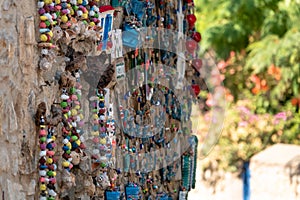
191	46
196	36
191	18
197	64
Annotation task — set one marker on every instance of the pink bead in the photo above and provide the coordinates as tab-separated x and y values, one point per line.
50	153
43	146
78	85
58	7
52	180
42	180
96	140
64	11
42	11
74	97
81	123
43	132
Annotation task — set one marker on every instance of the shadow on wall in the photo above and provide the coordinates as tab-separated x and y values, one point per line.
293	168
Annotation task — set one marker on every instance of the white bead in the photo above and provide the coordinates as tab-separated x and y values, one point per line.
95	151
65	141
79	13
64	97
92	13
41	4
52	193
43	153
42	173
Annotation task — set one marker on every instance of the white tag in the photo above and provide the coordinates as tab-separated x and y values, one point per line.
120	70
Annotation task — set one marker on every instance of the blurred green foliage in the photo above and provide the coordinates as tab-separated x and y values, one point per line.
257	48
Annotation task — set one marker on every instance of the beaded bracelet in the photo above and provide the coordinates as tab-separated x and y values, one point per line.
47	162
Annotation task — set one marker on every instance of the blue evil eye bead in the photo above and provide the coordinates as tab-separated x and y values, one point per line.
65	148
95	128
42	167
75	145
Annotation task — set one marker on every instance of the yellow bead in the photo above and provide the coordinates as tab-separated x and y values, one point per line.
95	116
43	18
102	141
77	107
66	116
85	15
43	38
69	145
92	24
66	164
50	33
81	116
73	112
43	187
78	142
53	138
54	173
48	1
64	19
49	160
95	133
79	2
57	1
71	11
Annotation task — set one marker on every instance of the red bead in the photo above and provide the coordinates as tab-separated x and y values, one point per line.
197	64
43	25
191	46
196	89
191	19
196	36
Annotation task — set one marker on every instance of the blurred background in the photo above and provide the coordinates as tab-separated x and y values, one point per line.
256	47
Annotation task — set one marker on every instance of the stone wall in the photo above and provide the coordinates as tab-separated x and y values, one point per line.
19	94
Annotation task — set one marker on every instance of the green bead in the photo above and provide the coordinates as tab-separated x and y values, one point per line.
68	151
94	110
43	139
72	90
47	23
103	165
75	8
49	173
96	15
74	138
51	198
63	104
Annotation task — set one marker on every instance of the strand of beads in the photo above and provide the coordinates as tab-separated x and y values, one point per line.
73	123
47	162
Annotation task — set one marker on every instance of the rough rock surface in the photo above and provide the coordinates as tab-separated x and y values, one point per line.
20	93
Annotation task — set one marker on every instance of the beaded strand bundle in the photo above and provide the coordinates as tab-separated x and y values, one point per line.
47	162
